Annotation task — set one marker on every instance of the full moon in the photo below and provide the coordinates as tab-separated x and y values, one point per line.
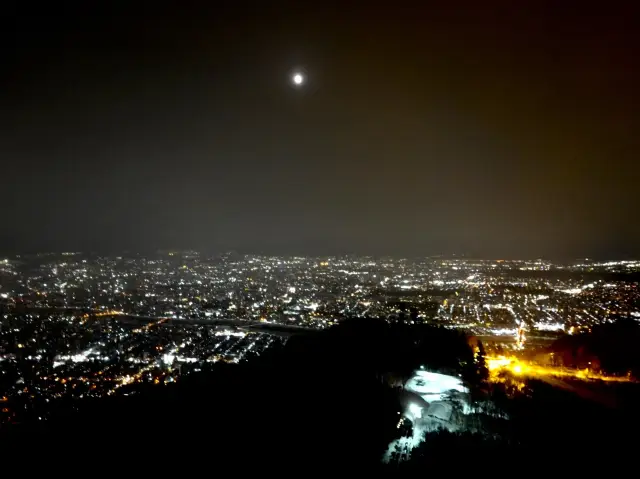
298	79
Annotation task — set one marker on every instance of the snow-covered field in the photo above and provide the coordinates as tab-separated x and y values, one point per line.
433	386
444	395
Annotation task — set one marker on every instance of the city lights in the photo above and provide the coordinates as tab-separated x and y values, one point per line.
118	324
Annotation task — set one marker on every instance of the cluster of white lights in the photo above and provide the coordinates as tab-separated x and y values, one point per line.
549	326
229	332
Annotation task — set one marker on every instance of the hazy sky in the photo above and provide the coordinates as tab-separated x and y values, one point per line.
490	130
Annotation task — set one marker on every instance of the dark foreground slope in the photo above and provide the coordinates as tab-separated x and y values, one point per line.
324	401
242	415
322	404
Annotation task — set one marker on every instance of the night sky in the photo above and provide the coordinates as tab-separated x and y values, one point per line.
487	130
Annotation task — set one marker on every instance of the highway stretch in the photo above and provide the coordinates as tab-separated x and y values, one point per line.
244	324
248	325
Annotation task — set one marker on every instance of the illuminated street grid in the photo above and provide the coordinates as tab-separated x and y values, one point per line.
55	356
486	297
75	325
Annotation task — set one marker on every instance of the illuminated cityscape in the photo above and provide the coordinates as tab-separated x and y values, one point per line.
82	326
511	298
363	239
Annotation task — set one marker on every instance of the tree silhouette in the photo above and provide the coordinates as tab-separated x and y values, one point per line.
481	362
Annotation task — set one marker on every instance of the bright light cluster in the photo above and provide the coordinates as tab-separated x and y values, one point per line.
433	386
549	326
519	367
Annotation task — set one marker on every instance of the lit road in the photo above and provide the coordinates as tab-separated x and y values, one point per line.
129	379
259	326
518	367
558	377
